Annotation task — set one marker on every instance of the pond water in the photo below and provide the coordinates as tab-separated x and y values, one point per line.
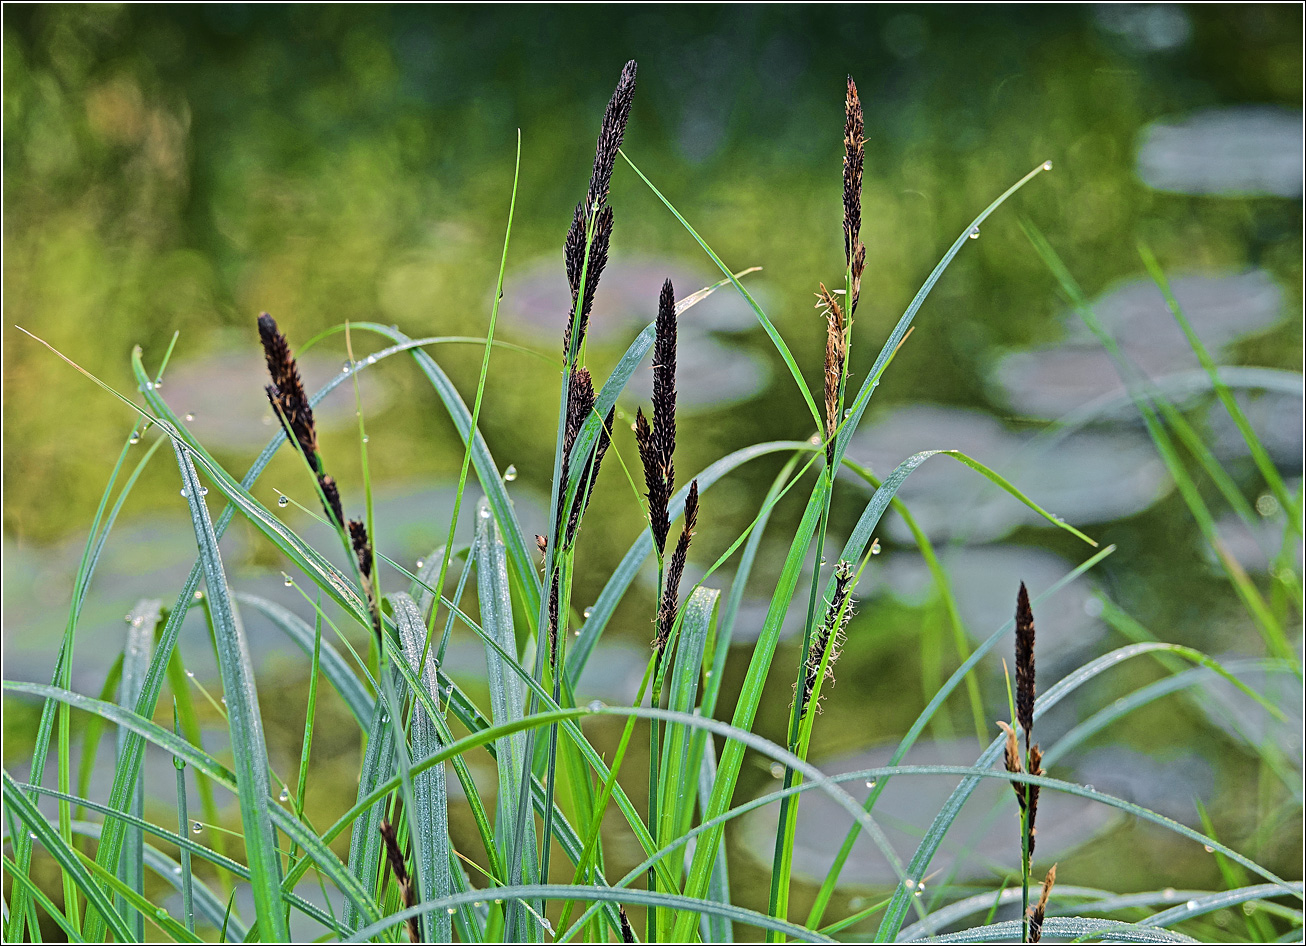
185	169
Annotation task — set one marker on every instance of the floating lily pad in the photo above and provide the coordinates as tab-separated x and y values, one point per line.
984	580
1087	477
708	375
538	299
985	837
1170	784
1221	308
223	393
1239	151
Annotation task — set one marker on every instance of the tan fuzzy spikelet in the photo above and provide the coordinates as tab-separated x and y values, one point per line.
1038	911
836	357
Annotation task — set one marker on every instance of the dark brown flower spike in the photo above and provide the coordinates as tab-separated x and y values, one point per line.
675	571
829	638
590	476
657	441
836	357
1038	911
664	382
1024	663
287	390
659	495
290	404
594	207
332	494
853	161
627	934
362	546
402	877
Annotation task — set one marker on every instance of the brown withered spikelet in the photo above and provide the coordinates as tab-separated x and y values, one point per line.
1011	760
1024	663
400	870
830	635
659	496
836	357
675	571
853	161
580	401
1039	910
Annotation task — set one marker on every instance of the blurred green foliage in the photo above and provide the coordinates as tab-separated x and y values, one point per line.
181	168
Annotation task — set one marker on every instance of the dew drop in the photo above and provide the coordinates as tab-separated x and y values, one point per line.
1190	905
285	794
198	596
288	580
875	547
815	438
974	233
177	869
224	701
595	705
576	633
479	904
204	490
185	494
1047	165
196	827
1089	788
920	891
421	563
548	927
371	359
1168	893
498	899
586	614
157	385
283	501
135	439
450	911
485	512
510	474
345	369
162	913
707	673
777	770
1208	849
189	417
191	674
366	438
909	883
871	783
32	835
1267	505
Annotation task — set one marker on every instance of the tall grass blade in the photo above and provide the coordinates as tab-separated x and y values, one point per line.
32	822
141	621
243	718
430	819
506	693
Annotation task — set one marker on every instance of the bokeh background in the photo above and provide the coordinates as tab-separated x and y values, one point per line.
181	169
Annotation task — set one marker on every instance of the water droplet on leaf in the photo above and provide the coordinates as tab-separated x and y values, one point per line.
196	827
283	501
510	474
974	233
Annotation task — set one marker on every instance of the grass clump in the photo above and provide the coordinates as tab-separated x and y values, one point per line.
538	862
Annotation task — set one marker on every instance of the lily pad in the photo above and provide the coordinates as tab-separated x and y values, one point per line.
1090	476
985	837
1240	151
